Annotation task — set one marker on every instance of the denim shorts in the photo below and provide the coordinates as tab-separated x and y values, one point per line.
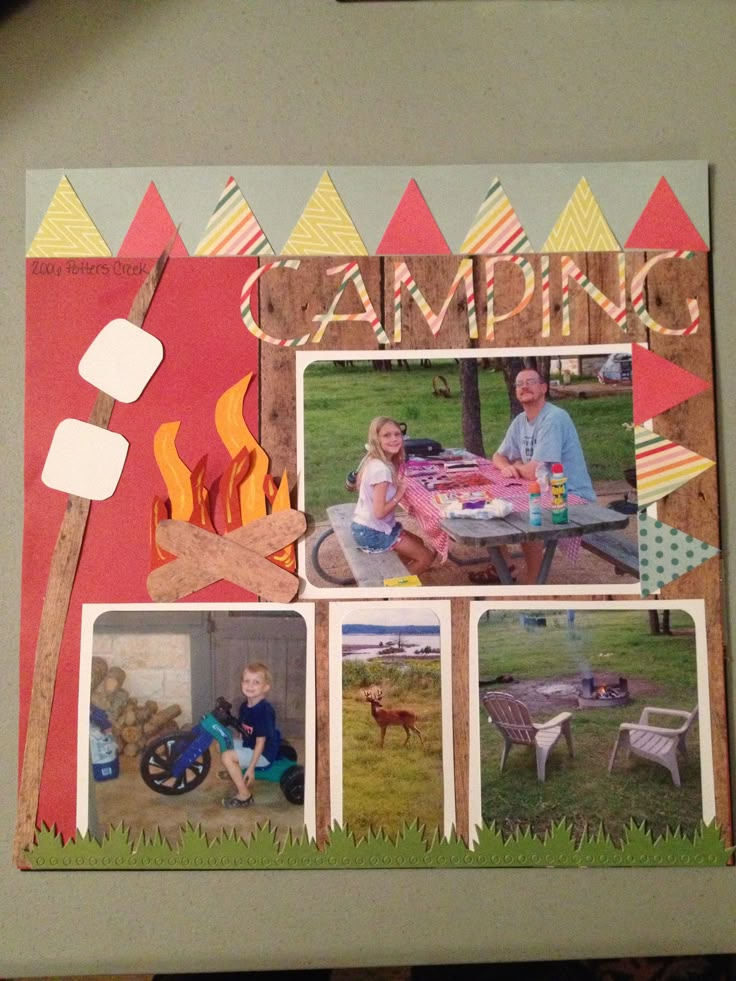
370	540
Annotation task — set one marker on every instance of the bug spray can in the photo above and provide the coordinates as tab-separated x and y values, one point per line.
535	505
558	486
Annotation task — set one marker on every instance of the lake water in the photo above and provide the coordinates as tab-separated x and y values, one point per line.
363	647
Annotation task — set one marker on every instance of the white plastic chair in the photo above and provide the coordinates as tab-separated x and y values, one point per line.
511	717
659	744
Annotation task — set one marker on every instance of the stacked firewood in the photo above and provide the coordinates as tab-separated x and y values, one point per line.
133	724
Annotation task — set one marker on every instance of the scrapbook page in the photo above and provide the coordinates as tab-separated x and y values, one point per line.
371	520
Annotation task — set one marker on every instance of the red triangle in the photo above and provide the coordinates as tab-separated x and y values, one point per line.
412	229
664	224
659	384
151	229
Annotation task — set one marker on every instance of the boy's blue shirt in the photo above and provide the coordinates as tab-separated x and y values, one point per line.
260	721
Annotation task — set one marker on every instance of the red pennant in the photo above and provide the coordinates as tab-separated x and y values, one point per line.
151	229
664	224
412	229
659	384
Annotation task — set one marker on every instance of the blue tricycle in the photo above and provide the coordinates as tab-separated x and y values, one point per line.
178	762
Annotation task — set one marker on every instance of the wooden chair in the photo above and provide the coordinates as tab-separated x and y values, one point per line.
511	717
659	744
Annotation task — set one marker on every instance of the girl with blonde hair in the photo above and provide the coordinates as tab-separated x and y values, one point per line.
382	486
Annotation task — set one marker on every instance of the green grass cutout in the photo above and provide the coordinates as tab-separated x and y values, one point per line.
413	847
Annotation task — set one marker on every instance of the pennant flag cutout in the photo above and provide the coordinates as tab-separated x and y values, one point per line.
496	227
664	224
662	466
233	229
666	553
412	229
581	226
67	231
325	227
659	384
151	229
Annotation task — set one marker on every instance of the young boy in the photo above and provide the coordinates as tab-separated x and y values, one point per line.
260	746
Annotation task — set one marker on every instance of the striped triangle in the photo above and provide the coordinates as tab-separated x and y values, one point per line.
496	228
233	229
666	553
581	226
67	231
325	227
662	466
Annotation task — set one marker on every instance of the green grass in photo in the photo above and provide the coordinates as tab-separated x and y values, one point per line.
339	403
385	788
580	790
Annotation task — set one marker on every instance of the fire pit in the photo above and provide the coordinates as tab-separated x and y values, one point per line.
593	695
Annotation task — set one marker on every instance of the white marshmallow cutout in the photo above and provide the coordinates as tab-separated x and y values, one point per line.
85	460
121	360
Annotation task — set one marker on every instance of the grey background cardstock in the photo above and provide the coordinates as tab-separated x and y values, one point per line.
307	82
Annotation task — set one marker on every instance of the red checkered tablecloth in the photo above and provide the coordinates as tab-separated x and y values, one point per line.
457	475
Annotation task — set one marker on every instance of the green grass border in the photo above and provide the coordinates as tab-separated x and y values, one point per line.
412	848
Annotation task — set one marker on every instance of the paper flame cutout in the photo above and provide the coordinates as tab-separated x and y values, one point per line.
246	486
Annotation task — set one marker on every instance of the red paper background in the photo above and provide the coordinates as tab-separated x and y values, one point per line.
196	315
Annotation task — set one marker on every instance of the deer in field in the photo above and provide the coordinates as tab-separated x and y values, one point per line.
391	717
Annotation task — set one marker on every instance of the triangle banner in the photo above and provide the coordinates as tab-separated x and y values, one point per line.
412	229
662	466
664	224
67	231
233	229
666	553
151	229
581	226
325	227
659	384
496	228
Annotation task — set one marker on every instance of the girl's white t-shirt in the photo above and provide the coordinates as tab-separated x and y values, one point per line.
375	472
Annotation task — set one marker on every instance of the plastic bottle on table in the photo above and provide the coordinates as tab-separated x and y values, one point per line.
558	486
535	505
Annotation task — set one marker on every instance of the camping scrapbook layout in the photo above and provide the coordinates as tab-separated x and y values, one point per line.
371	520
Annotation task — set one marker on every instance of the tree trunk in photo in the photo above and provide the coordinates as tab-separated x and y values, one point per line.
654	622
470	394
666	623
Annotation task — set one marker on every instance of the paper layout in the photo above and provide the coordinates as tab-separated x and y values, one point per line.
203	522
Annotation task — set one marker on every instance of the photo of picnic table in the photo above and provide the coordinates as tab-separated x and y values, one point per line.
458	481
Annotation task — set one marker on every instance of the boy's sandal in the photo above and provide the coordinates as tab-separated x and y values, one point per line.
235	802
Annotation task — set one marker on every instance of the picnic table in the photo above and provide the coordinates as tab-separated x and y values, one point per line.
459	475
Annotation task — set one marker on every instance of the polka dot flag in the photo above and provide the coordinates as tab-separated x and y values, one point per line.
666	553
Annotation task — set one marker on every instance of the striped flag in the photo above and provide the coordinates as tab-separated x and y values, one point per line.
662	466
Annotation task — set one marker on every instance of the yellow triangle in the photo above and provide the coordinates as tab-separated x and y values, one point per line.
67	231
581	226
325	227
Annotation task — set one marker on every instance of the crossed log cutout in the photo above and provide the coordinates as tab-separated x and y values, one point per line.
203	557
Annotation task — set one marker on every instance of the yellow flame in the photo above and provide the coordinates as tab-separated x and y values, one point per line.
176	474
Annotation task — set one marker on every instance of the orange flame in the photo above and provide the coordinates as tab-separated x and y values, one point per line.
159	512
230	484
280	501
